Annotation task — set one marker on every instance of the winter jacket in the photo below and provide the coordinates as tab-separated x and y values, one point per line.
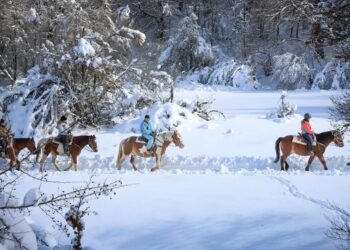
306	127
146	128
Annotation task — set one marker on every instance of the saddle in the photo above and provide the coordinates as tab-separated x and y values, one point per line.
141	139
60	149
299	139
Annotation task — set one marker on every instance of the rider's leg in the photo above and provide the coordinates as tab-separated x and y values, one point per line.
308	139
150	141
64	140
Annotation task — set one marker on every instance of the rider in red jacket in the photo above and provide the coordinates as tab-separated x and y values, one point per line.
307	132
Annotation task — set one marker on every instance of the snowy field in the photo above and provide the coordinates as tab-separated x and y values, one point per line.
222	191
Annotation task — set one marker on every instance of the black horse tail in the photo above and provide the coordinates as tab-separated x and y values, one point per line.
277	148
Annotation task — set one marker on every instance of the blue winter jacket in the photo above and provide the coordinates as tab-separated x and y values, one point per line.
146	128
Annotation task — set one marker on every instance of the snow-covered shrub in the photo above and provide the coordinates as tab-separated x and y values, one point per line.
165	117
341	111
334	75
339	230
188	50
202	108
15	232
231	74
32	107
285	109
290	72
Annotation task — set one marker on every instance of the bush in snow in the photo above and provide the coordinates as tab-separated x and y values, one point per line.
334	75
341	111
231	74
15	232
290	72
340	227
285	109
188	50
202	108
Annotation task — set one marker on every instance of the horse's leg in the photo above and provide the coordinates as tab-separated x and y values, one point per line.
74	161
158	162
42	161
283	161
132	161
120	161
54	157
287	165
309	162
323	161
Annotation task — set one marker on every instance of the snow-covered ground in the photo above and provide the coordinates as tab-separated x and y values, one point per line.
222	191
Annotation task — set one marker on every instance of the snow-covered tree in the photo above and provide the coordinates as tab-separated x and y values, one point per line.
188	50
290	72
341	111
285	109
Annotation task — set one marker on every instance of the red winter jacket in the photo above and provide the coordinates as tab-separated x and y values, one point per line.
306	127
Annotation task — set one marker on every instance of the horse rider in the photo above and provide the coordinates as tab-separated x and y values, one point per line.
63	133
5	137
307	133
147	132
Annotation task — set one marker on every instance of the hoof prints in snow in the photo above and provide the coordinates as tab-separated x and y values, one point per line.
224	165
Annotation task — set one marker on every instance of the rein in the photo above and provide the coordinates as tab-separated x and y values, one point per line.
88	148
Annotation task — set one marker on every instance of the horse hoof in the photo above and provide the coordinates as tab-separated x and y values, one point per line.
306	169
154	169
326	169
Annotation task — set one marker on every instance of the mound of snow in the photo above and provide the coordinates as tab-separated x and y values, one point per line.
164	117
33	197
84	49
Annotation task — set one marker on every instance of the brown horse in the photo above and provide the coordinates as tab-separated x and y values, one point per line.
21	143
288	147
134	147
78	143
12	155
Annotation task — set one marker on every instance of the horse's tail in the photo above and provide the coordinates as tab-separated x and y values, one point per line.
277	148
120	155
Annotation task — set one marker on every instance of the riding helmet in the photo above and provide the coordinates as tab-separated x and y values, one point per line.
63	118
307	116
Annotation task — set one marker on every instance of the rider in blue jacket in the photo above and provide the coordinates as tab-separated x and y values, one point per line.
146	131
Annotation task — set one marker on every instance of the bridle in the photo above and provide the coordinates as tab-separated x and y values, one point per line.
89	148
338	138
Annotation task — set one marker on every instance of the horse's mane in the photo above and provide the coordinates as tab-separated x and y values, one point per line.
23	139
322	136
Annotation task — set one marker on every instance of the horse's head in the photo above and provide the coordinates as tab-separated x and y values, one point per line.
93	143
338	138
177	139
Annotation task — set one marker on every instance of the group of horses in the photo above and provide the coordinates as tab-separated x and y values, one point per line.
134	146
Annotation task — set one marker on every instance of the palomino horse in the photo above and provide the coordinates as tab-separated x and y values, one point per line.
132	146
78	143
288	147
